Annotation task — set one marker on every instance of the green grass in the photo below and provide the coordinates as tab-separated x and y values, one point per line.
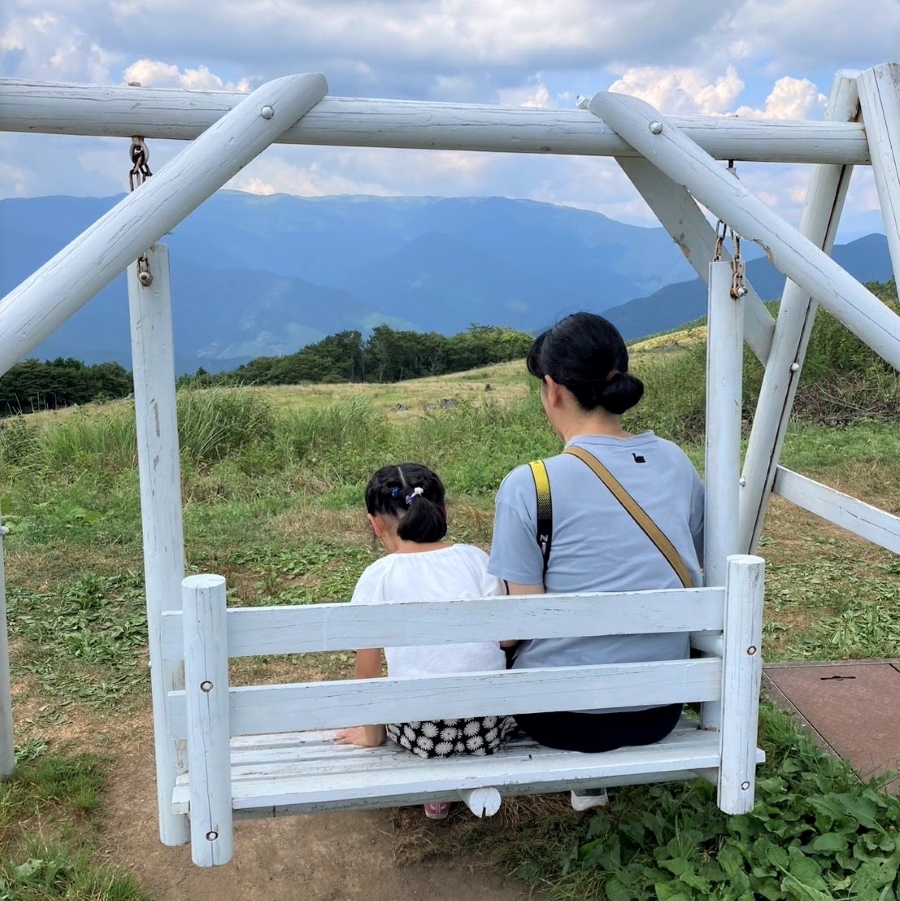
272	487
38	863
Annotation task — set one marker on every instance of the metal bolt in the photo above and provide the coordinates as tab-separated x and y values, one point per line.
795	367
206	686
742	291
212	835
742	481
267	112
655	127
745	786
145	278
751	650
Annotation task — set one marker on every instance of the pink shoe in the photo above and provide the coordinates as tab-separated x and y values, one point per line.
437	810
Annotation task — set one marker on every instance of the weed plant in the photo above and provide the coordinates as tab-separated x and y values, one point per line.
816	833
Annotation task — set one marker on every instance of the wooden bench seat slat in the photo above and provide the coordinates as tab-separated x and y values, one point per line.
332	705
392	776
340	627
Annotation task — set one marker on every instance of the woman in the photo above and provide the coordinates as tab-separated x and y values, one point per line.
597	545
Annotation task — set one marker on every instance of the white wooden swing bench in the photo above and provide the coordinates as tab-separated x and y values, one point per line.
266	750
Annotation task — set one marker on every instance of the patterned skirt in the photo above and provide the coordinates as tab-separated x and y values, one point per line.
442	738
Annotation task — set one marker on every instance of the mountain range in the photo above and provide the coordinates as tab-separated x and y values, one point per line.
265	275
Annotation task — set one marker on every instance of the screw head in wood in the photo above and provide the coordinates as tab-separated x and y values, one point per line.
267	112
742	291
206	686
655	127
145	278
212	835
795	367
742	481
751	650
745	786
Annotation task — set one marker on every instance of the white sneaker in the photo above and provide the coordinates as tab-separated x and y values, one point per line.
590	797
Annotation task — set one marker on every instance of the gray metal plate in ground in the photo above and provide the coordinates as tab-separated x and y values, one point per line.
852	708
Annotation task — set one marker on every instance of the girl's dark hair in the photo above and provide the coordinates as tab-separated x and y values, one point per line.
392	492
586	354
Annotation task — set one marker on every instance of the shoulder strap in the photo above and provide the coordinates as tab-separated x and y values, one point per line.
637	513
544	509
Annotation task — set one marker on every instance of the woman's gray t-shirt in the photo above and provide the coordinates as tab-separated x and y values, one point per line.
596	544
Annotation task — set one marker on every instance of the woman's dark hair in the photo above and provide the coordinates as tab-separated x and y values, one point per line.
412	494
586	354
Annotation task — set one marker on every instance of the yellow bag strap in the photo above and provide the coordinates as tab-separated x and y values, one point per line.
637	513
544	509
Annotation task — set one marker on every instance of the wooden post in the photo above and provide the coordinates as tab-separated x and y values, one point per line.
796	256
724	376
724	379
685	222
7	745
159	465
209	737
741	676
483	802
879	95
36	308
821	212
173	113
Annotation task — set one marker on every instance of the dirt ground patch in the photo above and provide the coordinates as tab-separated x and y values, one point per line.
341	856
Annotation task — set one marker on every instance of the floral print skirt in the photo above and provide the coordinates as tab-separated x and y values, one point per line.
442	738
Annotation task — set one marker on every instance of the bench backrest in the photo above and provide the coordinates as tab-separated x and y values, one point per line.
336	627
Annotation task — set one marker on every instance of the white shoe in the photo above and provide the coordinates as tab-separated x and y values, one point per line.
590	797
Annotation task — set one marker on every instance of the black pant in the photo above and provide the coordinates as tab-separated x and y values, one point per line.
593	732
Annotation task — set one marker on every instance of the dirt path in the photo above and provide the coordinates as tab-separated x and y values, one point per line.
340	856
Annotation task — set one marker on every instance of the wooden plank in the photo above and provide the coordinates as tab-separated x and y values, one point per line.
36	308
878	526
112	110
825	197
741	676
159	468
661	142
329	705
206	699
879	95
724	374
682	755
338	627
7	744
679	214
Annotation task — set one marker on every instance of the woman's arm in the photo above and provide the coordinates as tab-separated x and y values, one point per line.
516	588
368	666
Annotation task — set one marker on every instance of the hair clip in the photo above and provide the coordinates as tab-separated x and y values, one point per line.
395	492
416	492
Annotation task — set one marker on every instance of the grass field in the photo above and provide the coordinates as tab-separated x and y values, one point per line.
272	482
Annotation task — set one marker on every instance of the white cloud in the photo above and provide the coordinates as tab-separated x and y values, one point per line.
791	98
534	95
680	91
832	33
154	73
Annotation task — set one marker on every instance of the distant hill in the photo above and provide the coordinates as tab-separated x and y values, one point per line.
256	276
867	259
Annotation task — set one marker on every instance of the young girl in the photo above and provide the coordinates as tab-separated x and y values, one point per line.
405	505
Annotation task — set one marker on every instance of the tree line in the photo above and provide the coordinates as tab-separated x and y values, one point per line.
387	355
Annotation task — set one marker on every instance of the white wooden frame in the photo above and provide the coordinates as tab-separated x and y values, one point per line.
671	161
301	769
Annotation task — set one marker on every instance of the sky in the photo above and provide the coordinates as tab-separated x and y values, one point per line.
753	58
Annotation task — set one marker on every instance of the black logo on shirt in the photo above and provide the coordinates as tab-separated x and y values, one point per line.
639	458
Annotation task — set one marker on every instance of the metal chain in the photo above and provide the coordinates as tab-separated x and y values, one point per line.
139	173
738	286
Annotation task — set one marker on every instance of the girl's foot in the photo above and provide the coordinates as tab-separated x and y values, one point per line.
437	810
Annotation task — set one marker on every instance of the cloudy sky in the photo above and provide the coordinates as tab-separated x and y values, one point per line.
767	58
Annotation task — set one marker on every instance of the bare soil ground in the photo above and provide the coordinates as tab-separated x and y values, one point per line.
340	856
